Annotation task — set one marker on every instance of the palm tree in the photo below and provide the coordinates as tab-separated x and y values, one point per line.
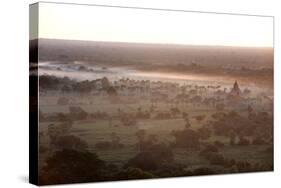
187	123
140	135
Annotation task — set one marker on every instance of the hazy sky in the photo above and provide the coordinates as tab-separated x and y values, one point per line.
82	22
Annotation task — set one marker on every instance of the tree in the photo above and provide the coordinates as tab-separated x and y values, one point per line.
77	113
70	142
174	111
251	113
186	138
153	158
140	136
53	132
185	115
70	166
232	138
218	115
62	117
105	83
204	133
128	120
196	99
243	141
187	123
65	89
115	141
83	87
111	91
200	118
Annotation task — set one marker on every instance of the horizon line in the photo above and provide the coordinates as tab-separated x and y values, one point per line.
155	43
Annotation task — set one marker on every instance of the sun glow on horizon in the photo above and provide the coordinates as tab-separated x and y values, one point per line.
96	23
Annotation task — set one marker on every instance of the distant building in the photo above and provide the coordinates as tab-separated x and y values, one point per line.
234	97
235	91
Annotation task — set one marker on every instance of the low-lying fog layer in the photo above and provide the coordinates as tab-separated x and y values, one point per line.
83	71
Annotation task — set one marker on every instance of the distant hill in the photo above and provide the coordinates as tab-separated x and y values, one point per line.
142	55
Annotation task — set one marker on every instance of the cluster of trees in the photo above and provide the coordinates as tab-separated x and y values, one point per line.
66	85
60	138
127	120
75	113
72	166
68	166
213	155
233	126
53	82
190	139
153	158
142	114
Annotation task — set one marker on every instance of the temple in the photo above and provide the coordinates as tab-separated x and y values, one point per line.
235	91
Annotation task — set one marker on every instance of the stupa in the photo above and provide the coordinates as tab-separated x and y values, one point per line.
235	91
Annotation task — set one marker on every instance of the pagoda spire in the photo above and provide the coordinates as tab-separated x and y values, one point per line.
235	91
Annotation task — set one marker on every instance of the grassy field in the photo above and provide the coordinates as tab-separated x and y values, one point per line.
97	130
100	130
